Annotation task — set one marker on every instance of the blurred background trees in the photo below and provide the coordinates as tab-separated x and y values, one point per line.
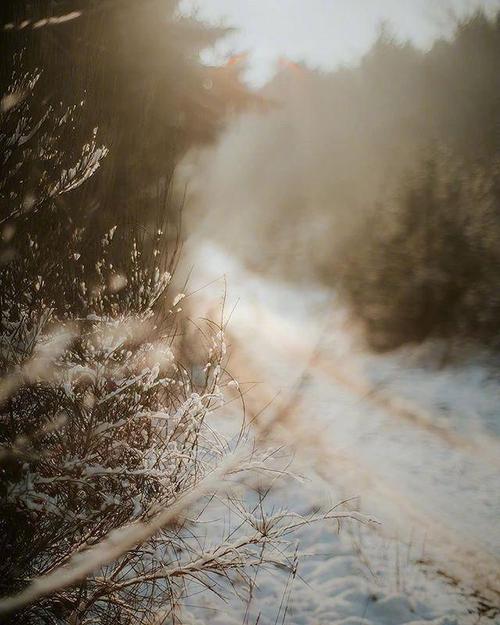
424	260
380	180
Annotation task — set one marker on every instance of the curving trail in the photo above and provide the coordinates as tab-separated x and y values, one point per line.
407	471
400	437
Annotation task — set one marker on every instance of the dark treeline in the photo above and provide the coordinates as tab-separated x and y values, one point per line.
425	259
129	72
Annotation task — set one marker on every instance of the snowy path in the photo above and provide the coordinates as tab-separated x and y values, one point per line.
404	468
420	448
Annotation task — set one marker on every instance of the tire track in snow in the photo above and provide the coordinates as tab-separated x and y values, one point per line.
344	375
461	556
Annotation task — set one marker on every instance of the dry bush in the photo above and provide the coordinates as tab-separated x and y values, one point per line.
109	459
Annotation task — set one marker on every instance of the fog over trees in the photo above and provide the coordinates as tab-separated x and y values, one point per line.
154	463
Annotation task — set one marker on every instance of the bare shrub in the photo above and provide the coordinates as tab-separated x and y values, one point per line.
108	456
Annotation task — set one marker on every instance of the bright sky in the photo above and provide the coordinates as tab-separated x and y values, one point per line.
323	33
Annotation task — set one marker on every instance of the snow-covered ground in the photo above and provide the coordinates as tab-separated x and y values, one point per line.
418	447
